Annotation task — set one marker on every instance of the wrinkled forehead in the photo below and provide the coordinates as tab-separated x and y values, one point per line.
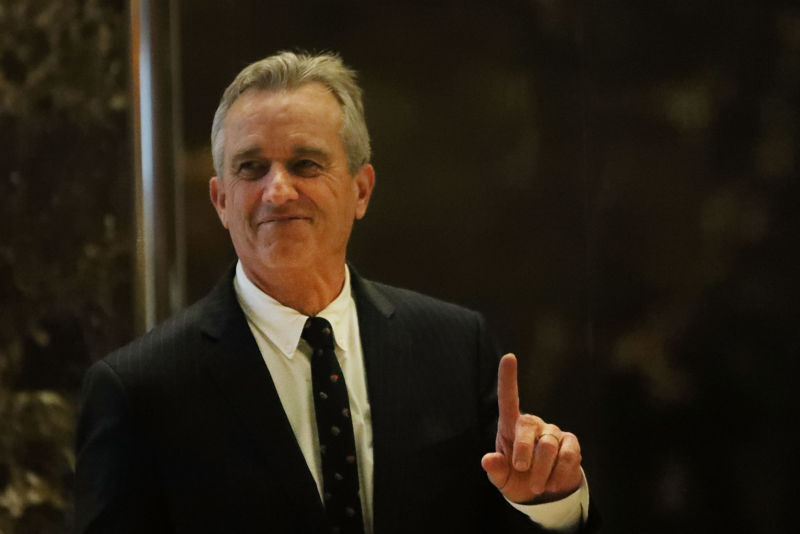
311	104
282	117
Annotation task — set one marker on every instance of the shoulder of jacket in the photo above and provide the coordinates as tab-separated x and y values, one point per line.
171	338
413	304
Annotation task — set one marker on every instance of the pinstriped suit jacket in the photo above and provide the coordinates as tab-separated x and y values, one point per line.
183	431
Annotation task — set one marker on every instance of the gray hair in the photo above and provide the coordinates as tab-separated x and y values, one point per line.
287	70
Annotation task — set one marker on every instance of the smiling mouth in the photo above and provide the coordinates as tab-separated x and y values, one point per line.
284	219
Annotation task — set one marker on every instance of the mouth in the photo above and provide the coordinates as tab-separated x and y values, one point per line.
282	219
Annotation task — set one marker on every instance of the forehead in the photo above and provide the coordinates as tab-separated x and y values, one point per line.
309	105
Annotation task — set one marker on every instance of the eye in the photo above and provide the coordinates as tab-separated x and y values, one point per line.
251	170
306	168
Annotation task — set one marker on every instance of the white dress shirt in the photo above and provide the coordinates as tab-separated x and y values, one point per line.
277	330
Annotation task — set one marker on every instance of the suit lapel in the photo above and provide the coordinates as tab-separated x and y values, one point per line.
235	363
385	349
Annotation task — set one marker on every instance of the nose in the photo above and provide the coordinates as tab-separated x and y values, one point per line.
279	187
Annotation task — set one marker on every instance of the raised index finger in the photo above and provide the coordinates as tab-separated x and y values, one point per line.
507	394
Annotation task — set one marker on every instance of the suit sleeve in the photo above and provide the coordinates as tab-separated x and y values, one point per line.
115	487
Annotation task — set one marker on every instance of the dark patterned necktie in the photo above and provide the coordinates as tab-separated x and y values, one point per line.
335	428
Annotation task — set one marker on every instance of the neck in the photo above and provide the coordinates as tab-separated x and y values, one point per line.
308	292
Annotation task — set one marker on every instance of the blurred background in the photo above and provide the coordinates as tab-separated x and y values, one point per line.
612	183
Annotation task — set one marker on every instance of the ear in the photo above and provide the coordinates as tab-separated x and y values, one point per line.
216	189
364	182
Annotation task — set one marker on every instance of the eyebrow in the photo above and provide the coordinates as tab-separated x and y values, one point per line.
245	154
312	151
297	151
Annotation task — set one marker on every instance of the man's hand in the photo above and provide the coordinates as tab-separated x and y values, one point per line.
534	462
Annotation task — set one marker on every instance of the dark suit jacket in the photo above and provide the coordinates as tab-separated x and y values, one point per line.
183	431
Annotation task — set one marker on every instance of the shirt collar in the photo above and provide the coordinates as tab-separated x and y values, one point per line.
283	325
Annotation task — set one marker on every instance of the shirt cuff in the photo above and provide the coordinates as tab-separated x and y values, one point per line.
564	515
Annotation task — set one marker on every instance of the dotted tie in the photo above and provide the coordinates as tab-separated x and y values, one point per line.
336	442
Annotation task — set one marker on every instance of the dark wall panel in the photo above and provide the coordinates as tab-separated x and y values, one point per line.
612	183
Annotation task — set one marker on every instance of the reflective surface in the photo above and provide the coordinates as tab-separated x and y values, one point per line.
65	238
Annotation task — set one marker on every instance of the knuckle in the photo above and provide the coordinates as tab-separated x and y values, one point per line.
522	447
529	420
570	457
537	486
552	429
547	446
572	440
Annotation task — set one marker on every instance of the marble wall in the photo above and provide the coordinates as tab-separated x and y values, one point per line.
66	261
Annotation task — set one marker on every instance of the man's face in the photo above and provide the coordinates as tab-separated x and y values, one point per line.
286	196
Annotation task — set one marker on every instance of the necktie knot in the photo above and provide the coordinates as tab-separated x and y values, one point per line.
318	333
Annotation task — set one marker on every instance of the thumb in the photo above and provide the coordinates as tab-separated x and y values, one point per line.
497	468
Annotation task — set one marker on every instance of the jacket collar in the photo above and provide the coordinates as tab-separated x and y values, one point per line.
220	306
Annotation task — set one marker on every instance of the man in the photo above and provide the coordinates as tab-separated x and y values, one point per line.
297	396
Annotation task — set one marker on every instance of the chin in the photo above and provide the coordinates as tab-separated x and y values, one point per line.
286	258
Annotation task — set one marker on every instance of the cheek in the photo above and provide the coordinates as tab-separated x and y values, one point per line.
244	203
